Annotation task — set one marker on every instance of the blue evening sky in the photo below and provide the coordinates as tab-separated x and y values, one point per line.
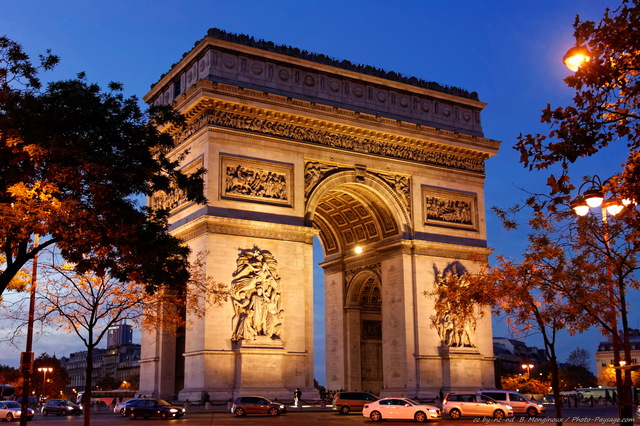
509	51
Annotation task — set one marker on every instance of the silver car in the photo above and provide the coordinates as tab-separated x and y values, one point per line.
121	407
457	405
10	410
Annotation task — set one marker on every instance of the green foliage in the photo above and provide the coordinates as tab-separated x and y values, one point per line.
75	161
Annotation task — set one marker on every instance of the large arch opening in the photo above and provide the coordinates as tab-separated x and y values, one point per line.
355	220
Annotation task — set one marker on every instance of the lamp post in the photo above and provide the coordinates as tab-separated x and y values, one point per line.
44	371
595	197
528	367
26	357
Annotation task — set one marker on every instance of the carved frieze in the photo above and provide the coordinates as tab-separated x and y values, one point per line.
442	207
255	180
295	131
176	197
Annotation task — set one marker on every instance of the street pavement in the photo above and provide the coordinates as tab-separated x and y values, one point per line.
317	416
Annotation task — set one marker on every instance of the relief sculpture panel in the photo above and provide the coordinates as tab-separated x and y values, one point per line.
255	294
449	208
256	180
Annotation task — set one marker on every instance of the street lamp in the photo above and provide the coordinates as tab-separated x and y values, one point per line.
576	57
595	197
528	367
44	370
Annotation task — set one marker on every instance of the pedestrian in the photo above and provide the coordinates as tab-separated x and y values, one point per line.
297	395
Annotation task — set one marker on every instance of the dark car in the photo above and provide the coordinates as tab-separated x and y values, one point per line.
244	405
61	407
344	402
146	408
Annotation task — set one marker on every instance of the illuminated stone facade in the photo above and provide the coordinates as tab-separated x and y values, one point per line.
297	149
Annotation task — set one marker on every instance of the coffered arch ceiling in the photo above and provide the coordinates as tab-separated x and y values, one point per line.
351	215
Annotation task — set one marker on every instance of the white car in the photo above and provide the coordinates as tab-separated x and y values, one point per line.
400	408
10	410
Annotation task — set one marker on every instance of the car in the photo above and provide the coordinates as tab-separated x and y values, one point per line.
400	408
149	407
244	405
61	407
520	403
457	405
120	407
10	410
344	402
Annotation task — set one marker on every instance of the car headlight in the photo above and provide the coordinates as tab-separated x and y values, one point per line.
432	410
173	410
281	407
509	407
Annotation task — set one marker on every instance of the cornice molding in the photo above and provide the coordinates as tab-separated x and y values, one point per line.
215	113
244	228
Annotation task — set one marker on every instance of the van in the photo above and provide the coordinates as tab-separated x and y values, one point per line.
457	405
344	402
520	403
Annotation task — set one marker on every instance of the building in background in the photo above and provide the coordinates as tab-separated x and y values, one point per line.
604	357
116	364
513	353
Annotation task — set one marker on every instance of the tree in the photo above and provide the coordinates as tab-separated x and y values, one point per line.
577	376
579	357
75	161
89	304
560	282
11	376
56	380
522	384
605	108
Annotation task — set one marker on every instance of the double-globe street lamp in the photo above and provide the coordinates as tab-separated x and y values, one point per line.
44	371
528	367
595	197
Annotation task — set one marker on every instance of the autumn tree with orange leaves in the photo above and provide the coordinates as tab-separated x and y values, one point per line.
560	282
76	161
88	304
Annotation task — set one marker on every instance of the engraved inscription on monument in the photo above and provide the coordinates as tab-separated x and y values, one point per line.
256	180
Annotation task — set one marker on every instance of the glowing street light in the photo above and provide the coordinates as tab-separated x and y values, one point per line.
595	197
576	57
45	370
528	367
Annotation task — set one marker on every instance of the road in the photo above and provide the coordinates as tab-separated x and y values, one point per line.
571	416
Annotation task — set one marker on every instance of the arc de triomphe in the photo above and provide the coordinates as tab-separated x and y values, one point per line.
387	172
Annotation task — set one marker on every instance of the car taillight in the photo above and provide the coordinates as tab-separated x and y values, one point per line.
366	405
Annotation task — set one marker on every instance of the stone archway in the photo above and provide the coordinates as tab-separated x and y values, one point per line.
368	291
297	148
